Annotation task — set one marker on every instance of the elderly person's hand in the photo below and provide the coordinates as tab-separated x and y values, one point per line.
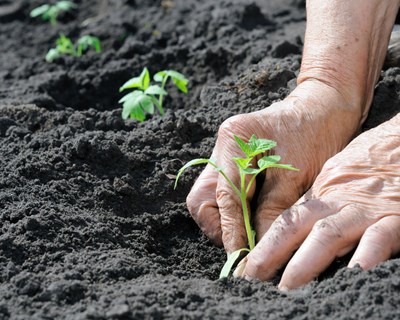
294	124
341	62
354	202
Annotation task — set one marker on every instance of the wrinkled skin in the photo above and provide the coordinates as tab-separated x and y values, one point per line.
356	195
212	202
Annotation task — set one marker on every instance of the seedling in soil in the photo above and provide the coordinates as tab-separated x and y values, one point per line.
253	149
65	46
142	100
50	12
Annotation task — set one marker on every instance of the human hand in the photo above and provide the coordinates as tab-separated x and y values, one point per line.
354	202
310	111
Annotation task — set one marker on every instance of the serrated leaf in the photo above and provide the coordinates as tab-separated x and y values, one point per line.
258	146
243	146
157	90
251	171
243	163
226	269
190	164
268	160
159	76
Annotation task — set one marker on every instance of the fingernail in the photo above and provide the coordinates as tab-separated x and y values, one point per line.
240	268
283	288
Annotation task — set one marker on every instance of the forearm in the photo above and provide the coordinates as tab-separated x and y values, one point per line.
345	46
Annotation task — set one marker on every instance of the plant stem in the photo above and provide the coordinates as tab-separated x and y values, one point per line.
246	216
161	98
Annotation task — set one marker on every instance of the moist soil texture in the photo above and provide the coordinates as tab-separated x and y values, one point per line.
91	227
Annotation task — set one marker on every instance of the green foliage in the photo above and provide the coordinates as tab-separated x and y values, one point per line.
142	100
251	149
65	46
50	12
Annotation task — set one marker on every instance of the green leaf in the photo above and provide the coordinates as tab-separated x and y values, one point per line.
145	78
230	262
272	162
243	163
39	10
268	160
251	171
157	90
131	83
159	76
176	75
243	146
52	55
146	104
137	113
190	164
141	82
258	146
131	95
65	5
181	85
132	106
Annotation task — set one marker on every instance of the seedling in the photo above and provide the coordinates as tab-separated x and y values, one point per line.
50	12
142	100
253	149
65	46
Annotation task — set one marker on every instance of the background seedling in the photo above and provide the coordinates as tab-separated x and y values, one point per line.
65	46
142	100
251	149
50	12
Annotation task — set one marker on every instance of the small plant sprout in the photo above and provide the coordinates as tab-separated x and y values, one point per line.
65	46
142	100
50	12
252	150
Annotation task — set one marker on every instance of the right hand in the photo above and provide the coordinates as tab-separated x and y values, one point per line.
310	126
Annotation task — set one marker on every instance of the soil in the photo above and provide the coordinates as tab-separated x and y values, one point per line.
91	227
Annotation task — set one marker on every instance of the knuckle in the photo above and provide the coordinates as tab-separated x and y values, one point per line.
235	124
290	219
256	267
327	230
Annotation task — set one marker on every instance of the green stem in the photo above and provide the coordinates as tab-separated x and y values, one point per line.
246	216
161	98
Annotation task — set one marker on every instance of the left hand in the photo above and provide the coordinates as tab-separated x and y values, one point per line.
354	202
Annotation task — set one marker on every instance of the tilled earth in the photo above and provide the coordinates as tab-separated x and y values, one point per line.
91	227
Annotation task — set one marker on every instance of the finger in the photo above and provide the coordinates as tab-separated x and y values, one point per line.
202	205
379	242
233	228
284	237
330	237
234	234
273	200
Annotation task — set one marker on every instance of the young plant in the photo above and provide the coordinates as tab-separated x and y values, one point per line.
50	12
65	46
142	100
247	172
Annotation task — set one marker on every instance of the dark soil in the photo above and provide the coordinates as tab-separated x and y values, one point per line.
90	225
